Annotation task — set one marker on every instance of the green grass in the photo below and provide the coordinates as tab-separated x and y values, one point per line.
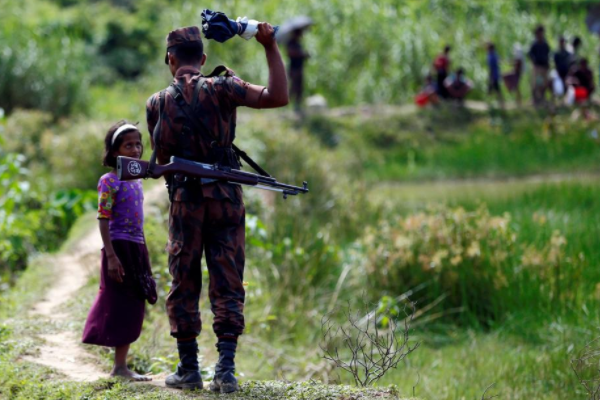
23	380
466	363
457	144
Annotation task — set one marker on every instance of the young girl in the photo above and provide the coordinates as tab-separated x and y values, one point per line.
126	282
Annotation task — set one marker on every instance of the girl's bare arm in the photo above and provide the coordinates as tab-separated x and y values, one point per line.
115	269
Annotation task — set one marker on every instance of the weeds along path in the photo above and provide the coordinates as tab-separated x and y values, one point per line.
62	350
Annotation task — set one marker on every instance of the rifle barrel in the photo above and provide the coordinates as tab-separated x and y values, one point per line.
129	168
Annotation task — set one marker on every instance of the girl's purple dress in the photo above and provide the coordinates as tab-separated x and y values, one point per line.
116	316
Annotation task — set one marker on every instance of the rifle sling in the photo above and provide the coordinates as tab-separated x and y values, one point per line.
200	127
156	133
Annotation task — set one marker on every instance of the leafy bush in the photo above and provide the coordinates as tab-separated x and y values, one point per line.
128	49
73	150
43	65
31	220
23	134
474	261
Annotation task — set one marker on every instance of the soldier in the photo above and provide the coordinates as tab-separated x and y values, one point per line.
196	119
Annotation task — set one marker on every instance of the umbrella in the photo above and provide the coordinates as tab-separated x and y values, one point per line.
292	24
592	20
216	25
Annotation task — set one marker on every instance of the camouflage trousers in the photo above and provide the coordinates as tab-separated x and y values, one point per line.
217	228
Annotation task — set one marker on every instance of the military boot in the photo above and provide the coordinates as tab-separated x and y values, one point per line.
187	375
224	380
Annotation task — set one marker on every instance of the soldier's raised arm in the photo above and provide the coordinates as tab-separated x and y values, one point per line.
276	93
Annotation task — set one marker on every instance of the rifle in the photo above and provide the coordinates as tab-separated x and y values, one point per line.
132	168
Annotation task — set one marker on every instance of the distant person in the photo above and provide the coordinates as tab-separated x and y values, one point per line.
493	64
513	78
458	86
562	60
539	54
582	79
441	65
116	317
428	94
297	56
575	47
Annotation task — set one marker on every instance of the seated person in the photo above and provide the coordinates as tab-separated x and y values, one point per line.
458	85
582	79
428	94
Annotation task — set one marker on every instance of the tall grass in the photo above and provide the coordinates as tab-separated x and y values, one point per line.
469	145
362	52
475	263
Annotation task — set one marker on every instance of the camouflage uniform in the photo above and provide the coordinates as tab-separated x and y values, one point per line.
211	217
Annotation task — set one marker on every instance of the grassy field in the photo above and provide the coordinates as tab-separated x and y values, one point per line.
448	143
489	218
299	268
528	354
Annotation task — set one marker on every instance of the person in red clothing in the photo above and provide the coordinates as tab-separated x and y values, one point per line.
442	67
582	79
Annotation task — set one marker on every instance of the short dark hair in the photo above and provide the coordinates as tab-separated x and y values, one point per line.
577	41
188	53
109	160
539	29
447	48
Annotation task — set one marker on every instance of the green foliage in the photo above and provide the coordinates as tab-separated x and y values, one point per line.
372	53
24	131
155	230
123	52
30	219
68	152
73	151
469	145
44	66
474	261
366	53
131	43
48	179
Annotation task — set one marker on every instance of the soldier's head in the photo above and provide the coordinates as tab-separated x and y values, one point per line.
122	139
184	48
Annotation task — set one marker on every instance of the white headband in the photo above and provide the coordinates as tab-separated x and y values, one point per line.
122	129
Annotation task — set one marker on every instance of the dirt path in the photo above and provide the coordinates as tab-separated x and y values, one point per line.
62	350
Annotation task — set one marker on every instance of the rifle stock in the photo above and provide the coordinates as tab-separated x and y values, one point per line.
131	168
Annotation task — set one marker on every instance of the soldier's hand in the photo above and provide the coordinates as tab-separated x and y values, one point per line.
115	269
265	34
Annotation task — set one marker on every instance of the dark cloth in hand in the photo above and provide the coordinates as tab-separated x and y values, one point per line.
216	25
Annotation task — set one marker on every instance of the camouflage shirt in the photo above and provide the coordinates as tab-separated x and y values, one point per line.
218	99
